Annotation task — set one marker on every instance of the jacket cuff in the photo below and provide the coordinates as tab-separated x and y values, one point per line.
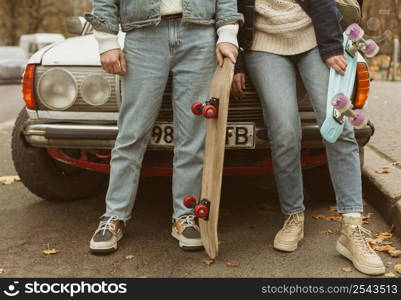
332	51
101	24
106	41
228	34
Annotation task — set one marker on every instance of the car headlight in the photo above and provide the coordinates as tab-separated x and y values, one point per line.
57	89
95	90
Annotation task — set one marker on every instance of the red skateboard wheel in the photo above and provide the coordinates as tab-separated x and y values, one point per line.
197	108
201	211
210	112
190	202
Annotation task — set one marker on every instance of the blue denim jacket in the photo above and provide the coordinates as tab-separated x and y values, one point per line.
131	14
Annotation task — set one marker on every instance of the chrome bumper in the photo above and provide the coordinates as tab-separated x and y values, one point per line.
85	136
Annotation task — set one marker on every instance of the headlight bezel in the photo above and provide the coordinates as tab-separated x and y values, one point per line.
42	98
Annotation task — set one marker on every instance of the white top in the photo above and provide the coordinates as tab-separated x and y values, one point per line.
108	41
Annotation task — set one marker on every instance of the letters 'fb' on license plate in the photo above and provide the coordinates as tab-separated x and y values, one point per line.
239	135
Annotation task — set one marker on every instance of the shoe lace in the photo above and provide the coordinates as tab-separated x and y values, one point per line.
291	222
108	224
187	220
359	236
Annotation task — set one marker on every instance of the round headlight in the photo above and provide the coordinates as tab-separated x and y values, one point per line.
95	90
57	89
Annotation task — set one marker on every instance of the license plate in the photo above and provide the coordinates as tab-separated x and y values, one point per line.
239	135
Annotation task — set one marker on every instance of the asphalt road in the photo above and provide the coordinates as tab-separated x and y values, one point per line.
250	217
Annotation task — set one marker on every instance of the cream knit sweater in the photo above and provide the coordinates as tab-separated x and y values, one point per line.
226	33
282	27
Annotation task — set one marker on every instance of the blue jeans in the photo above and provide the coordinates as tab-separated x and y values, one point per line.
274	78
187	51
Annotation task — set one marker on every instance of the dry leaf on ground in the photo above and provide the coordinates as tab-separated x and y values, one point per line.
2	271
389	275
384	235
50	251
129	257
327	218
398	268
383	171
346	269
333	208
396	163
329	231
6	180
208	262
232	265
394	253
385	248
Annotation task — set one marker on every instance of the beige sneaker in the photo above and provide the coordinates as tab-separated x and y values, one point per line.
291	234
353	245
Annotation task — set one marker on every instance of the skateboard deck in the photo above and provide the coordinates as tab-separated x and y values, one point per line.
341	87
216	111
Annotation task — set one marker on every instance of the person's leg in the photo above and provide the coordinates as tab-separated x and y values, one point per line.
274	79
343	156
147	54
344	165
193	55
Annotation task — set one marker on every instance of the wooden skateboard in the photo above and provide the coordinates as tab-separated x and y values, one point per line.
341	87
206	209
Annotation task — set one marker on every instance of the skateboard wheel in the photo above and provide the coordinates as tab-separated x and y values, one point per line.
197	108
340	102
210	112
360	119
190	202
371	48
355	32
201	211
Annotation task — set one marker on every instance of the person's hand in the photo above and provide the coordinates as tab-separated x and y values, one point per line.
113	62
338	63
226	50
238	86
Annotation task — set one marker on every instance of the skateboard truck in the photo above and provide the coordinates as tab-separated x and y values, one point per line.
209	109
200	208
343	107
356	34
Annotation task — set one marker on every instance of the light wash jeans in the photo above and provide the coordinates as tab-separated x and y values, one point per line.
275	81
186	50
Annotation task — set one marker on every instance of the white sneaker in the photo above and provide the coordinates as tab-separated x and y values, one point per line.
291	234
353	245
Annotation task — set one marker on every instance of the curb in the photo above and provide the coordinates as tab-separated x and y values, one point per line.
384	189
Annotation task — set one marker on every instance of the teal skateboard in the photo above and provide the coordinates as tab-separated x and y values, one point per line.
341	87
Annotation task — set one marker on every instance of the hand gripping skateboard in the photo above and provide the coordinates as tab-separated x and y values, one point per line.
206	209
339	106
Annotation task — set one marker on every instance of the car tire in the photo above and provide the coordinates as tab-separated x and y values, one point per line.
48	178
317	181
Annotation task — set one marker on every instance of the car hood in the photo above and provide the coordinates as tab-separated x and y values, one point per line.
76	51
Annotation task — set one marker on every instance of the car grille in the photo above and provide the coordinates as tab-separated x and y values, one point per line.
246	109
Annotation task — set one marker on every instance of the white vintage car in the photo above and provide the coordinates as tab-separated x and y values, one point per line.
62	140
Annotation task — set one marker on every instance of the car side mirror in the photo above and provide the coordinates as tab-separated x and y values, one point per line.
75	25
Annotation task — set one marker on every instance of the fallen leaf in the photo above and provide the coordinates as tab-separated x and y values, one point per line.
389	275
385	167
2	271
396	163
6	180
208	262
232	265
397	267
333	208
346	269
394	253
328	231
384	236
386	248
129	257
327	218
50	251
384	171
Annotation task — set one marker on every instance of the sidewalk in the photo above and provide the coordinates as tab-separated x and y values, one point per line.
382	169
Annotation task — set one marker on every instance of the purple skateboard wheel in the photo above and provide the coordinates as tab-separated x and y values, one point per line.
340	101
355	32
359	120
371	48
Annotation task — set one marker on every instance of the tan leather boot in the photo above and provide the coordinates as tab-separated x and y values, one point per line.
353	245
291	234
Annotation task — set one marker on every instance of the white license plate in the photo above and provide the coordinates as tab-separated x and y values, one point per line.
239	135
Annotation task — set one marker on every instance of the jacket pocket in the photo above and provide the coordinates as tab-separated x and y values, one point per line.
134	10
203	9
